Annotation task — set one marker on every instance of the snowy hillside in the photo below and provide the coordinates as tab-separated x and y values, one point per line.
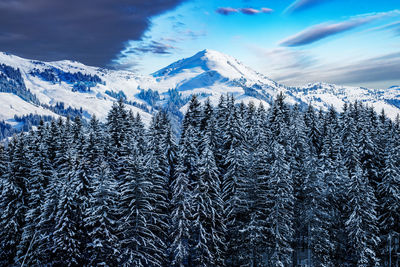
322	95
29	86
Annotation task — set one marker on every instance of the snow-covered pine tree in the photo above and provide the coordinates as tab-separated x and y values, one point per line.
135	214
206	116
4	185
171	151
335	176
369	151
389	192
280	200
81	174
315	214
220	117
192	118
350	143
189	166
234	184
68	233
94	148
49	203
180	216
100	220
14	200
158	173
362	221
139	133
207	211
52	139
278	120
253	206
30	249
298	155
118	140
3	163
313	129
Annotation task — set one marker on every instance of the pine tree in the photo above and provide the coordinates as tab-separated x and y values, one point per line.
207	211
158	172
94	148
14	201
68	234
312	129
298	155
234	184
181	217
389	191
40	175
220	149
315	214
137	238
192	117
118	140
254	203
3	163
280	200
361	224
100	219
51	197
81	175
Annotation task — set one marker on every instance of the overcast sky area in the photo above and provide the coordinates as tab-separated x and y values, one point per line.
347	42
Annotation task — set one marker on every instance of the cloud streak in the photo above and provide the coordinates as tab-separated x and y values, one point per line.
301	5
395	27
226	10
247	11
301	68
285	64
377	69
154	47
321	31
81	30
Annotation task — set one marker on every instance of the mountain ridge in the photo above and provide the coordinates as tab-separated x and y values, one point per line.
208	74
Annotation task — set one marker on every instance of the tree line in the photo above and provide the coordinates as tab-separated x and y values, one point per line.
242	185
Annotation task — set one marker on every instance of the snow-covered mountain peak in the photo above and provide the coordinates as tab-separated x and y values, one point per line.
204	60
210	60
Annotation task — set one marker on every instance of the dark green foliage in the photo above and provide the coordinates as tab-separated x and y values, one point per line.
80	82
149	96
60	109
11	81
244	186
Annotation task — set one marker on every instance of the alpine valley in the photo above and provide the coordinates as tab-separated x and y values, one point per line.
35	89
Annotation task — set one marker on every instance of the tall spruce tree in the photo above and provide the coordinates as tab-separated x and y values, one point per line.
361	224
14	200
389	192
30	248
100	220
280	200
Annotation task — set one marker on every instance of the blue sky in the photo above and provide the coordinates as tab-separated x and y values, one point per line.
294	42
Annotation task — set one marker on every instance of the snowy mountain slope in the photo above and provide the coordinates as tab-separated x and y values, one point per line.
323	95
211	73
35	87
74	84
14	105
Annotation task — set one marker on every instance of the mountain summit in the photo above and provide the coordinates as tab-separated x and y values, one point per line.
64	88
210	61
